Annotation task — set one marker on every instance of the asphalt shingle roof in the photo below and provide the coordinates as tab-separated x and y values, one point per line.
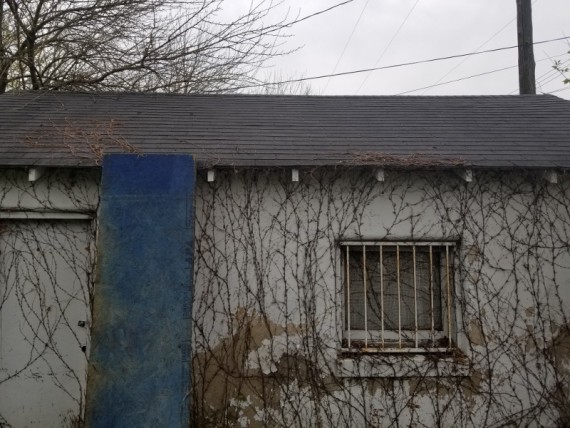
72	129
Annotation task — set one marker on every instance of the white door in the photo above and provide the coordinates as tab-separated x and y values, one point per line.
45	287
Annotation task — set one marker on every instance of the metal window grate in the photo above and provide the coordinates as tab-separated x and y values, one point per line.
398	296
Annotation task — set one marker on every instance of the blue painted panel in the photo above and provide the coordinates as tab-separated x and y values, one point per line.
139	370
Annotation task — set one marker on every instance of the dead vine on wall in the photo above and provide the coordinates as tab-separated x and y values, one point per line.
268	302
268	297
46	284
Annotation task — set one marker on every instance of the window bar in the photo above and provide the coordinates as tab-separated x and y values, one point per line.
448	285
431	293
399	297
348	307
415	294
382	292
365	297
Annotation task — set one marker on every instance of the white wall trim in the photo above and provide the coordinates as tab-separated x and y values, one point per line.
45	215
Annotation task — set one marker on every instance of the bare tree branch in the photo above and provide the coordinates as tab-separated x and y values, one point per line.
134	45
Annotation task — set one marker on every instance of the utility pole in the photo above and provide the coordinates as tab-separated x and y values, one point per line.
527	82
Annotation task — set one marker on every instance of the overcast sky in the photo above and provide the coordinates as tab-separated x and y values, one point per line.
376	33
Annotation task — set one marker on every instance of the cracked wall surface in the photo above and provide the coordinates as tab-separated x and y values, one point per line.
267	322
268	302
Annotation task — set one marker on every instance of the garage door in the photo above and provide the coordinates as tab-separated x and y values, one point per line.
45	288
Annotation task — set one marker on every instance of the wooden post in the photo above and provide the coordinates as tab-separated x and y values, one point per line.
527	83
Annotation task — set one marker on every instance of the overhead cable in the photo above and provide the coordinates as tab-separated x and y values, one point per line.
347	42
470	77
389	44
320	12
387	67
480	46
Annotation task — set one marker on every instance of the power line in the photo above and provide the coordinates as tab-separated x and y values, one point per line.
458	80
476	50
558	90
552	73
347	42
386	67
320	12
388	45
471	77
555	75
547	77
480	46
290	24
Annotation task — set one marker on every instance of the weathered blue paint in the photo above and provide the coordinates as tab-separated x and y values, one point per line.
139	372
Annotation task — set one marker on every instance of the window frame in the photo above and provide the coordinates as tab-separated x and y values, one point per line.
402	340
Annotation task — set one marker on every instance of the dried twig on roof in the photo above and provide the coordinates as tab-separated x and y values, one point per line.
89	141
412	160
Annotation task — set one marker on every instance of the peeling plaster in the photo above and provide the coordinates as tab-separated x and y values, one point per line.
475	333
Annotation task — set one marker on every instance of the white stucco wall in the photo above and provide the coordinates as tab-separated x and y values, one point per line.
268	299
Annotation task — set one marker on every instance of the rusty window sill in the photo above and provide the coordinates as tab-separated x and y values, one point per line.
402	365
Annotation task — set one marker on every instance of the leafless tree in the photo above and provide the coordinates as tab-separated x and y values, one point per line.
559	66
563	69
135	45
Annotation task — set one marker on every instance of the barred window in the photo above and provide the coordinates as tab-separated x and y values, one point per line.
398	296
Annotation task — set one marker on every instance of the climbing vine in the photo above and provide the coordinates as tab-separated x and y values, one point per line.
46	284
268	337
269	302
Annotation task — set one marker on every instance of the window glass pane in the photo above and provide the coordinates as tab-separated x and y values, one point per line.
356	289
391	304
426	288
428	296
374	293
